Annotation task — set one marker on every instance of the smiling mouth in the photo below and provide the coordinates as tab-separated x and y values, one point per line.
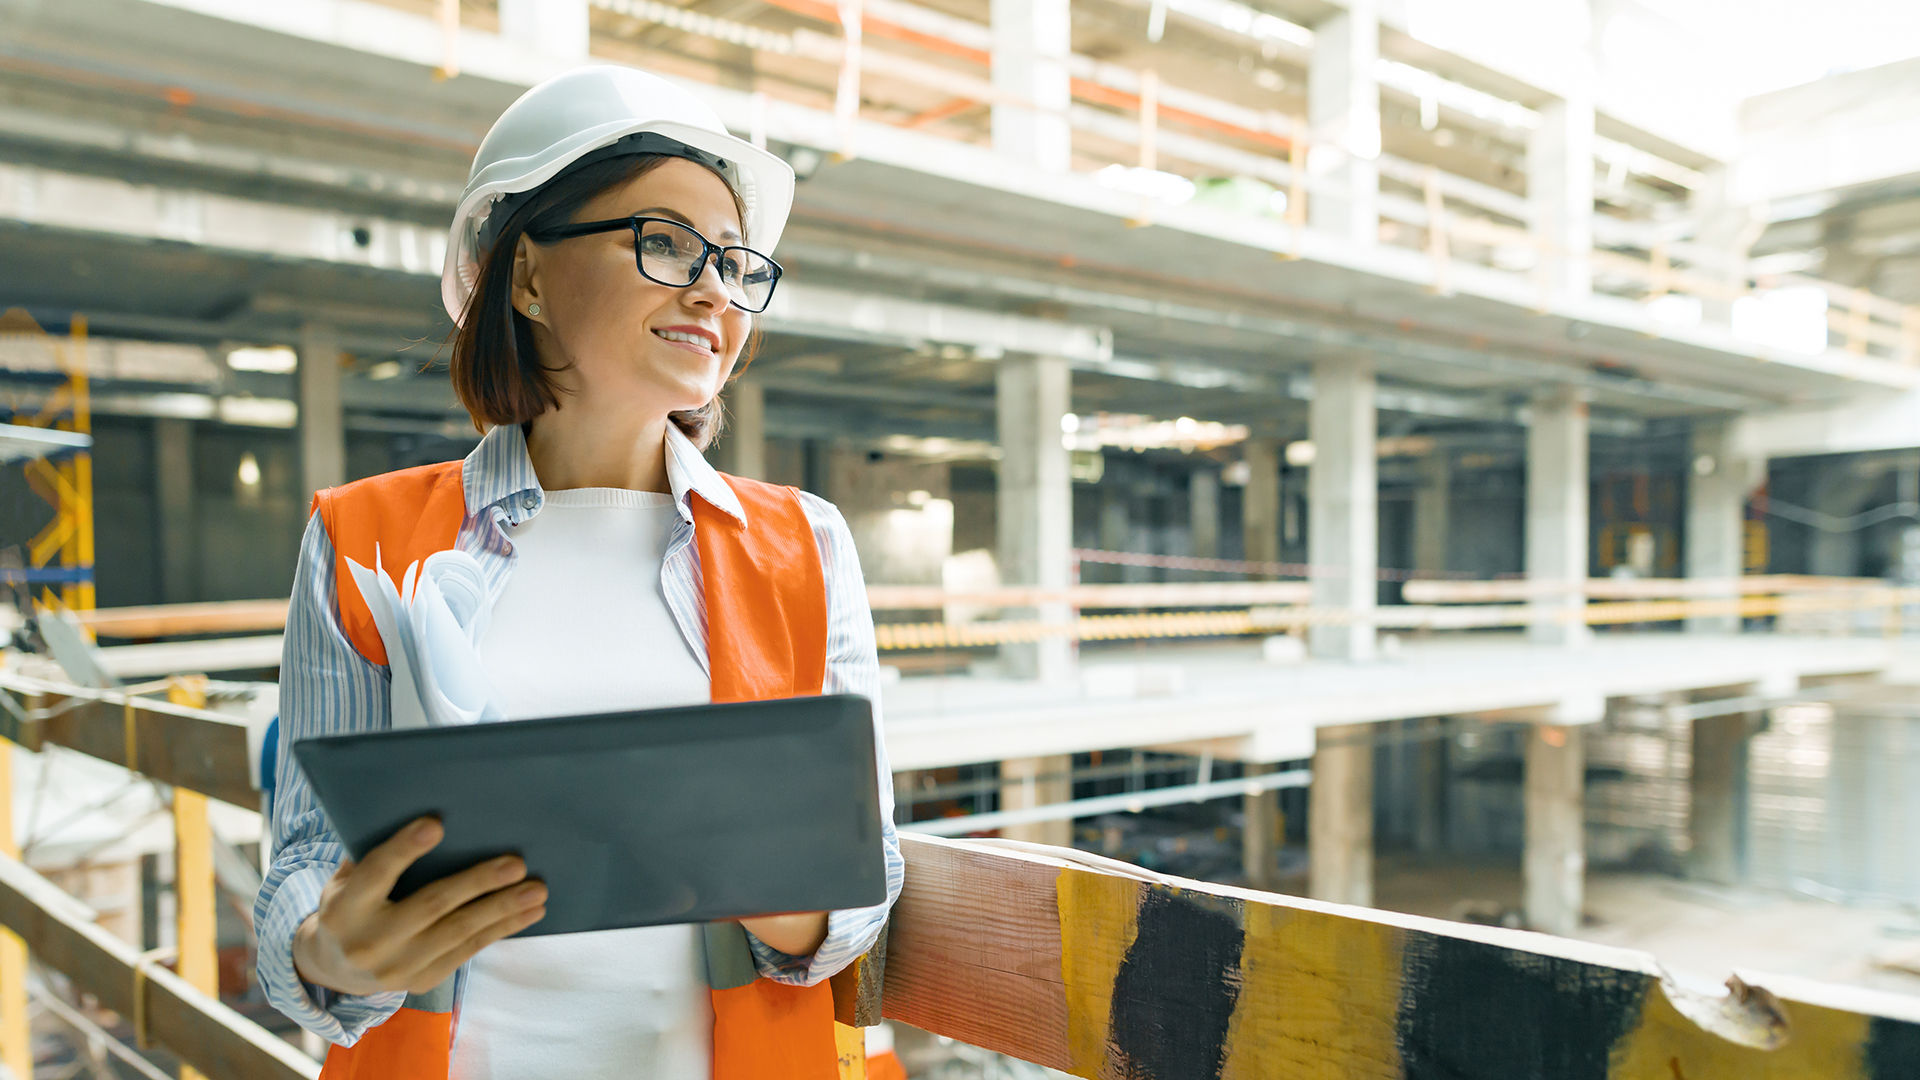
697	340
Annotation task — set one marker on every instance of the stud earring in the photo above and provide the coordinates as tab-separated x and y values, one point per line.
533	309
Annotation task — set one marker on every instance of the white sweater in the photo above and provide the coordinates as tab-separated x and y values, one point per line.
583	627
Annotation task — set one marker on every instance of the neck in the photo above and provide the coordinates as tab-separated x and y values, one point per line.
577	446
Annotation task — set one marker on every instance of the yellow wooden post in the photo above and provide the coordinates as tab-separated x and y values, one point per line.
1296	186
1859	319
16	1040
193	883
1436	230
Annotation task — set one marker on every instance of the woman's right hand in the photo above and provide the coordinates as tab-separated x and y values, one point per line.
360	942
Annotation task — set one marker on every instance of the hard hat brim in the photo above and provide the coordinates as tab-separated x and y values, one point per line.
762	179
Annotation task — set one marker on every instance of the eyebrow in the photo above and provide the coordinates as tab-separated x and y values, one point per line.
669	212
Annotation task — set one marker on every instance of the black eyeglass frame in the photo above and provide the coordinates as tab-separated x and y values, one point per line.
708	253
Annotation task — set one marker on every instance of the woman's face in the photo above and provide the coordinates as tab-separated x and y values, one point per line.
624	339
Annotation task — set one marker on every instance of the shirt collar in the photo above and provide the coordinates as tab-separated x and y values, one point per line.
499	470
688	473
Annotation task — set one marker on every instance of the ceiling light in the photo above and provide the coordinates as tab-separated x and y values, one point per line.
277	360
1152	183
1133	432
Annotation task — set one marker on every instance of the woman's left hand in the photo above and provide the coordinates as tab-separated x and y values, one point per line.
797	934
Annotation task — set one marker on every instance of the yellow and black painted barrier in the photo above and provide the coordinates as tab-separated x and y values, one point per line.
1104	970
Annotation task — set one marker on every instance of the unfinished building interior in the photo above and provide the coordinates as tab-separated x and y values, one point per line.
1429	458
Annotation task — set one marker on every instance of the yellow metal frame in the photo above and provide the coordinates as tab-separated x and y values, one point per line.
68	538
67	484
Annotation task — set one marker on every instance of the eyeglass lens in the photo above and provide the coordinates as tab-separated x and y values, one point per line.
675	255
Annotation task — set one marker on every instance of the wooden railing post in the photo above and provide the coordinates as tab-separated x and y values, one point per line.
1436	230
1296	185
16	1039
193	880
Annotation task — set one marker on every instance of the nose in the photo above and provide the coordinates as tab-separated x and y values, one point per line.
707	289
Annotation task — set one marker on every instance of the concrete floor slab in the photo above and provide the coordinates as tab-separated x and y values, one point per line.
1227	693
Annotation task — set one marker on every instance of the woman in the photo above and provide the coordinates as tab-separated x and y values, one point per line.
604	267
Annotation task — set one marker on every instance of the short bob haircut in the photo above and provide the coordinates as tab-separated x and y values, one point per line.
496	371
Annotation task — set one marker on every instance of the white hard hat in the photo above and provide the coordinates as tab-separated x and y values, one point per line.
569	116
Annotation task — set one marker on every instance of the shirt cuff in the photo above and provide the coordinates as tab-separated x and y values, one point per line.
780	966
849	934
338	1018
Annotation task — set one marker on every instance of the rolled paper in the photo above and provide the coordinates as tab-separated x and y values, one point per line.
432	625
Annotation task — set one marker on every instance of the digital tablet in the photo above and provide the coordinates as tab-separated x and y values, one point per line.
633	818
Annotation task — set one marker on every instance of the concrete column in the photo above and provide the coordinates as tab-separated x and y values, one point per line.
1729	230
1340	816
173	495
743	445
1260	837
904	784
1717	821
1557	515
816	457
1718	487
1260	506
1343	516
1031	44
1116	518
1560	194
1038	781
323	431
1555	864
1035	499
1203	512
1343	112
1432	503
556	27
1431	768
1839	490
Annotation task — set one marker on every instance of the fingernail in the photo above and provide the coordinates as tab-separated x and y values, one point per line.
509	869
534	896
425	828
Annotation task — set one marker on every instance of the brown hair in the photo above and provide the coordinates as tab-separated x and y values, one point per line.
496	372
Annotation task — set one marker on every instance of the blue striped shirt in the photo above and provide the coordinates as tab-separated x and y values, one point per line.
328	688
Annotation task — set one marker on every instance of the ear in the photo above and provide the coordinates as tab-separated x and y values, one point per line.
526	279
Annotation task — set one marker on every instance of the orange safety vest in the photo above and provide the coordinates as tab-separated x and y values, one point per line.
766	638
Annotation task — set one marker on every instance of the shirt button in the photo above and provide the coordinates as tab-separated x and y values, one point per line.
528	502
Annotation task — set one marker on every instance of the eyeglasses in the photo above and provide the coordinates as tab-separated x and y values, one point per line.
672	254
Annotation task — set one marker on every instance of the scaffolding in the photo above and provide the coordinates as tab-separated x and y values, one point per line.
56	445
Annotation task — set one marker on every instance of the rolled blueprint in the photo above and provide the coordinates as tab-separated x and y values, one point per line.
431	625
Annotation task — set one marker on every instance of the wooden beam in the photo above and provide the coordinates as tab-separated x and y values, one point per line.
16	1036
193	890
1172	594
187	747
193	886
168	620
1120	974
1472	592
214	1039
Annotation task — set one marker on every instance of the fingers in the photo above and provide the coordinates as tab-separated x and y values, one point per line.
376	874
518	918
436	901
469	922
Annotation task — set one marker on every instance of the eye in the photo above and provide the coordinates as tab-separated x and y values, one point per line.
730	268
660	244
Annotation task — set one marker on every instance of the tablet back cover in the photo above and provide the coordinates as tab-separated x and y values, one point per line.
632	819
